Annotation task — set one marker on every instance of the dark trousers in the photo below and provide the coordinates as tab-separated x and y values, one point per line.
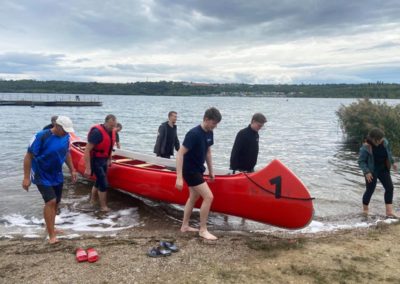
387	183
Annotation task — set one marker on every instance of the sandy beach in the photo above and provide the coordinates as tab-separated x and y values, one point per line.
356	256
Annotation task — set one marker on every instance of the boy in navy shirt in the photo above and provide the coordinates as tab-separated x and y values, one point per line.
195	150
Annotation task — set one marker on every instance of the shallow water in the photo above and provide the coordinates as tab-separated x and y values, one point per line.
303	133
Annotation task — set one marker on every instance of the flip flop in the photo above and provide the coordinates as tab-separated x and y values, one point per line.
158	252
81	255
169	245
93	256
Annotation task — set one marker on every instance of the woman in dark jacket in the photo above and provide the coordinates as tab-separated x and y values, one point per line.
375	161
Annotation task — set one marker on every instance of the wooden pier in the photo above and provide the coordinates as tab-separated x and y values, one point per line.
57	102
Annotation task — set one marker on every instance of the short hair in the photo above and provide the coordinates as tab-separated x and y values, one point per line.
110	117
259	117
212	114
376	133
54	118
171	113
119	125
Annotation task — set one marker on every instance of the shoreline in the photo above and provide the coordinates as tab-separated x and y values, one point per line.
368	255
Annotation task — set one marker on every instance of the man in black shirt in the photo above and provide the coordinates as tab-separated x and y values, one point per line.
167	137
245	149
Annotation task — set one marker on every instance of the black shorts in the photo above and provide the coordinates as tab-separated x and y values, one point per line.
50	192
193	179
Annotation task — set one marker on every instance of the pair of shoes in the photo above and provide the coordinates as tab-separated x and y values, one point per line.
158	251
169	245
89	255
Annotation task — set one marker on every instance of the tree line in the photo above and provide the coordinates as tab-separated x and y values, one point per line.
170	88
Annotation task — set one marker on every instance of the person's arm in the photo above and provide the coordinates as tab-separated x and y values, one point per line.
86	156
160	135
363	164
68	161
179	165
177	145
27	171
209	164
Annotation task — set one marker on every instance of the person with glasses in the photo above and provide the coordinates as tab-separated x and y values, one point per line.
46	154
245	148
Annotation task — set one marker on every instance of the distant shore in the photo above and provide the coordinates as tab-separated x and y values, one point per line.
171	88
356	256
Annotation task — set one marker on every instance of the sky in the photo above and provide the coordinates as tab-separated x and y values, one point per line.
205	41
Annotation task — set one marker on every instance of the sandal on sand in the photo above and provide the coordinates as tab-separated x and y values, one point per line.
93	256
169	245
158	251
81	255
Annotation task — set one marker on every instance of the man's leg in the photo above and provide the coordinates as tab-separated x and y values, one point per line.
103	201
49	214
93	195
193	197
208	197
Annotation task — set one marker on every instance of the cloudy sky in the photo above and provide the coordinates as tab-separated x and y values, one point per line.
226	41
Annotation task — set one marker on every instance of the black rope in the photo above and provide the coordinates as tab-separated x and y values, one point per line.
273	193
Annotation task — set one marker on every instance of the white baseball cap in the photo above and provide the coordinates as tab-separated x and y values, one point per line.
66	123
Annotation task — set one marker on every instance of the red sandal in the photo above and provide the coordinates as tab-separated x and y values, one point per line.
93	256
81	255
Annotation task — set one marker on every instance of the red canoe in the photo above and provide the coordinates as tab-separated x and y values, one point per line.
272	195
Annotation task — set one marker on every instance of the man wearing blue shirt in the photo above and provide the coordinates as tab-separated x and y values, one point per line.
47	152
195	150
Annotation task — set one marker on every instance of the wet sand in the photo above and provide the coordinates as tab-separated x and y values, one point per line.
357	256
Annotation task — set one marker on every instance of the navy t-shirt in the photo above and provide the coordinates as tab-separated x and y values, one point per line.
197	142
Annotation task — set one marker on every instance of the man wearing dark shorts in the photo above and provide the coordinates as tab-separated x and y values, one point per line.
97	156
47	152
195	150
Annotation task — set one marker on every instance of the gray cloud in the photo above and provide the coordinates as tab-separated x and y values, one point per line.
228	41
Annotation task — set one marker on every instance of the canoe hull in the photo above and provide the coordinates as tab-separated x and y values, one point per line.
273	195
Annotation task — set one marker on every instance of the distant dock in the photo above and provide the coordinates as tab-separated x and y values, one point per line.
53	100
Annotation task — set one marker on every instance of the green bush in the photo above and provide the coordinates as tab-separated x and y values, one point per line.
359	117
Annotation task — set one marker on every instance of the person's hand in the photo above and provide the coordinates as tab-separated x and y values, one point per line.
179	183
26	183
369	177
74	176
87	172
211	178
395	167
109	163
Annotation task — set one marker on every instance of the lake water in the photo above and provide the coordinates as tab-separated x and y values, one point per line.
303	133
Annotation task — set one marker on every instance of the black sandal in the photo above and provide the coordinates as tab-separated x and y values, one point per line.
158	252
169	245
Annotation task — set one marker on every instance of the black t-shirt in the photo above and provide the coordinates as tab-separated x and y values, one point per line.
170	135
380	157
197	141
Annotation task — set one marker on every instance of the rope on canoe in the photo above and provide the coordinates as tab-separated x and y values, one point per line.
275	193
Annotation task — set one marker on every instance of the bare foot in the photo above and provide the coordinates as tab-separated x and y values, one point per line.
58	231
188	229
53	241
207	235
392	215
105	209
